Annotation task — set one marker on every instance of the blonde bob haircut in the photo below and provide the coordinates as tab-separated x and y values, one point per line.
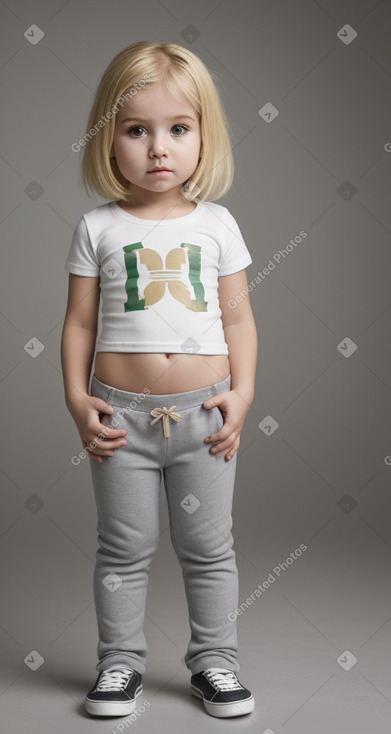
138	67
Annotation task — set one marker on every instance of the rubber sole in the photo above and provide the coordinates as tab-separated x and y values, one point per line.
111	708
223	710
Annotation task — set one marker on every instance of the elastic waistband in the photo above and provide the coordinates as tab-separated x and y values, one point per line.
147	401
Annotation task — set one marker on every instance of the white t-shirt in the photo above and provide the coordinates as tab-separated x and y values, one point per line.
159	278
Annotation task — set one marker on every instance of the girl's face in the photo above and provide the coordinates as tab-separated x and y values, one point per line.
155	129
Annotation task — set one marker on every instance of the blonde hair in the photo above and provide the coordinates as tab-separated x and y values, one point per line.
138	66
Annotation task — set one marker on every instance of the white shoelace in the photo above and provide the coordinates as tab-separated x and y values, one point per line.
114	680
224	679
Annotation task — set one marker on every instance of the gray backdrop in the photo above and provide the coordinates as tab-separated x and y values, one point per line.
306	86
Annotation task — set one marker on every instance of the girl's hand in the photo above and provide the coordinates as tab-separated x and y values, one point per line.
234	410
98	439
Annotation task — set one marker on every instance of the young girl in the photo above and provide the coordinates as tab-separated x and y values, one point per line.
175	363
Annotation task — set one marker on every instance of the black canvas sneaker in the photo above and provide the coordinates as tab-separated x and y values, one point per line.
114	693
222	693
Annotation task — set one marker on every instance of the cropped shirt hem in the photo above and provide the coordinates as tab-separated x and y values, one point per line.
159	348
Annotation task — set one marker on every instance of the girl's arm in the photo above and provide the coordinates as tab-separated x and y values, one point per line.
77	353
241	337
78	337
240	333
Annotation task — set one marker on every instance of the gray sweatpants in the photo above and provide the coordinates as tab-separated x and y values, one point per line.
199	489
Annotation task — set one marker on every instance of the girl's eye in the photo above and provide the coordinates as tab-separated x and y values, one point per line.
183	128
136	127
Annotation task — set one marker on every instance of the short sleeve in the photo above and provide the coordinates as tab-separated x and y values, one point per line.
234	253
81	258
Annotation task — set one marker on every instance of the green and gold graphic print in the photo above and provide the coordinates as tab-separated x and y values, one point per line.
161	275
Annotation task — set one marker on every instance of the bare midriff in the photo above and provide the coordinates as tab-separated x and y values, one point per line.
159	372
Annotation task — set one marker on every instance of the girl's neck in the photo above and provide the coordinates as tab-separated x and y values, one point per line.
149	211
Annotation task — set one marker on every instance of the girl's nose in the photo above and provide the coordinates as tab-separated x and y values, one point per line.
157	146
